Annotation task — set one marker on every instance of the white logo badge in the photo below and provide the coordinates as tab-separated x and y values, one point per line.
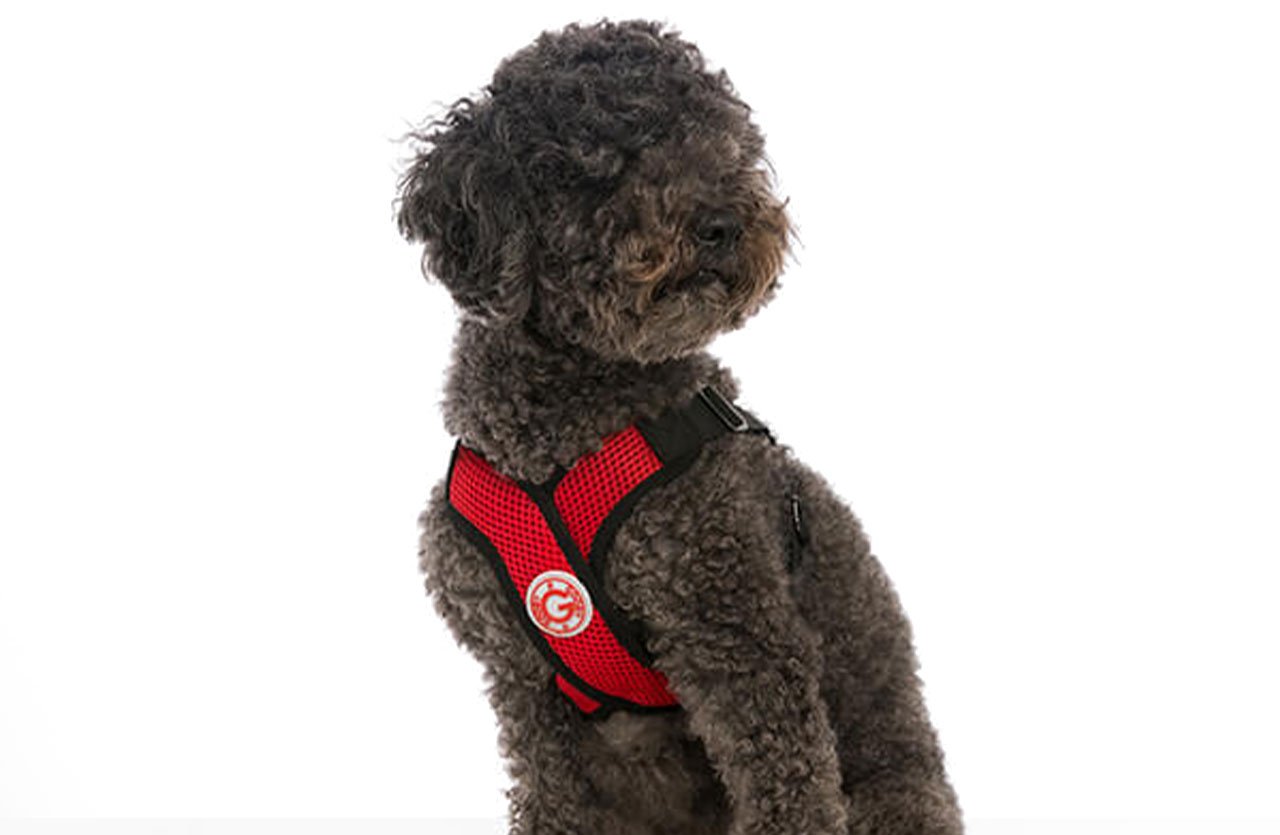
559	604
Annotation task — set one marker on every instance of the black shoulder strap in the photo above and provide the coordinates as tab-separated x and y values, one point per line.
682	431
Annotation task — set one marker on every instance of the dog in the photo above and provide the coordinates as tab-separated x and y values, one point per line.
599	213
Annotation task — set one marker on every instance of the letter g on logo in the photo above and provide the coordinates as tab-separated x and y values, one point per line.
558	604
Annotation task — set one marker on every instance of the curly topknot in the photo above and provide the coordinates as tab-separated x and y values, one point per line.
592	97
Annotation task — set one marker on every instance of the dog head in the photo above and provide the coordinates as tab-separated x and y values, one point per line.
606	190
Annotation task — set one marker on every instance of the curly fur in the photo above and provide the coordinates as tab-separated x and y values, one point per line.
599	214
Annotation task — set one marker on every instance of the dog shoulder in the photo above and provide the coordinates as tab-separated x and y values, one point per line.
735	483
723	517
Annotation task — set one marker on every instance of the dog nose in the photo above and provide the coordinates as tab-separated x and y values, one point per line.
718	230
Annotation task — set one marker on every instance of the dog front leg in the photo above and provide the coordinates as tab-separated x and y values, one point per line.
891	759
538	730
744	667
539	737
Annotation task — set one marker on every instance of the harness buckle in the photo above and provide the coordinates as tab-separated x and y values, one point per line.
723	409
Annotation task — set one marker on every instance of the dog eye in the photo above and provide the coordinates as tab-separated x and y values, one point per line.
718	229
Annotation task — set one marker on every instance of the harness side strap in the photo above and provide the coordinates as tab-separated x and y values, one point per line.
681	432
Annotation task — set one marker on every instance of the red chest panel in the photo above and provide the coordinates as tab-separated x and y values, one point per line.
544	541
547	542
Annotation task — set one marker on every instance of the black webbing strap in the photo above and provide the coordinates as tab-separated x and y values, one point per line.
680	432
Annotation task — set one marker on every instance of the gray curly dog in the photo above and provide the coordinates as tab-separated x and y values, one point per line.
599	214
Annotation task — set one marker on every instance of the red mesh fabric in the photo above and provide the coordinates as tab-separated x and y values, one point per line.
512	522
598	481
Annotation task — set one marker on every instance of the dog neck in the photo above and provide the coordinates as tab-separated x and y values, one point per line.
529	407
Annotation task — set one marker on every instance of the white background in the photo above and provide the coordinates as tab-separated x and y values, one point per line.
1030	335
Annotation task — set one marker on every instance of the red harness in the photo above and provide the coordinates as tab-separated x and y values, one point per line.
547	543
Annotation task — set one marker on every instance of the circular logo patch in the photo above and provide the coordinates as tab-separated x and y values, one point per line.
558	604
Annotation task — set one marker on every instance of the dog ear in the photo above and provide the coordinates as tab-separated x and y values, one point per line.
461	196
